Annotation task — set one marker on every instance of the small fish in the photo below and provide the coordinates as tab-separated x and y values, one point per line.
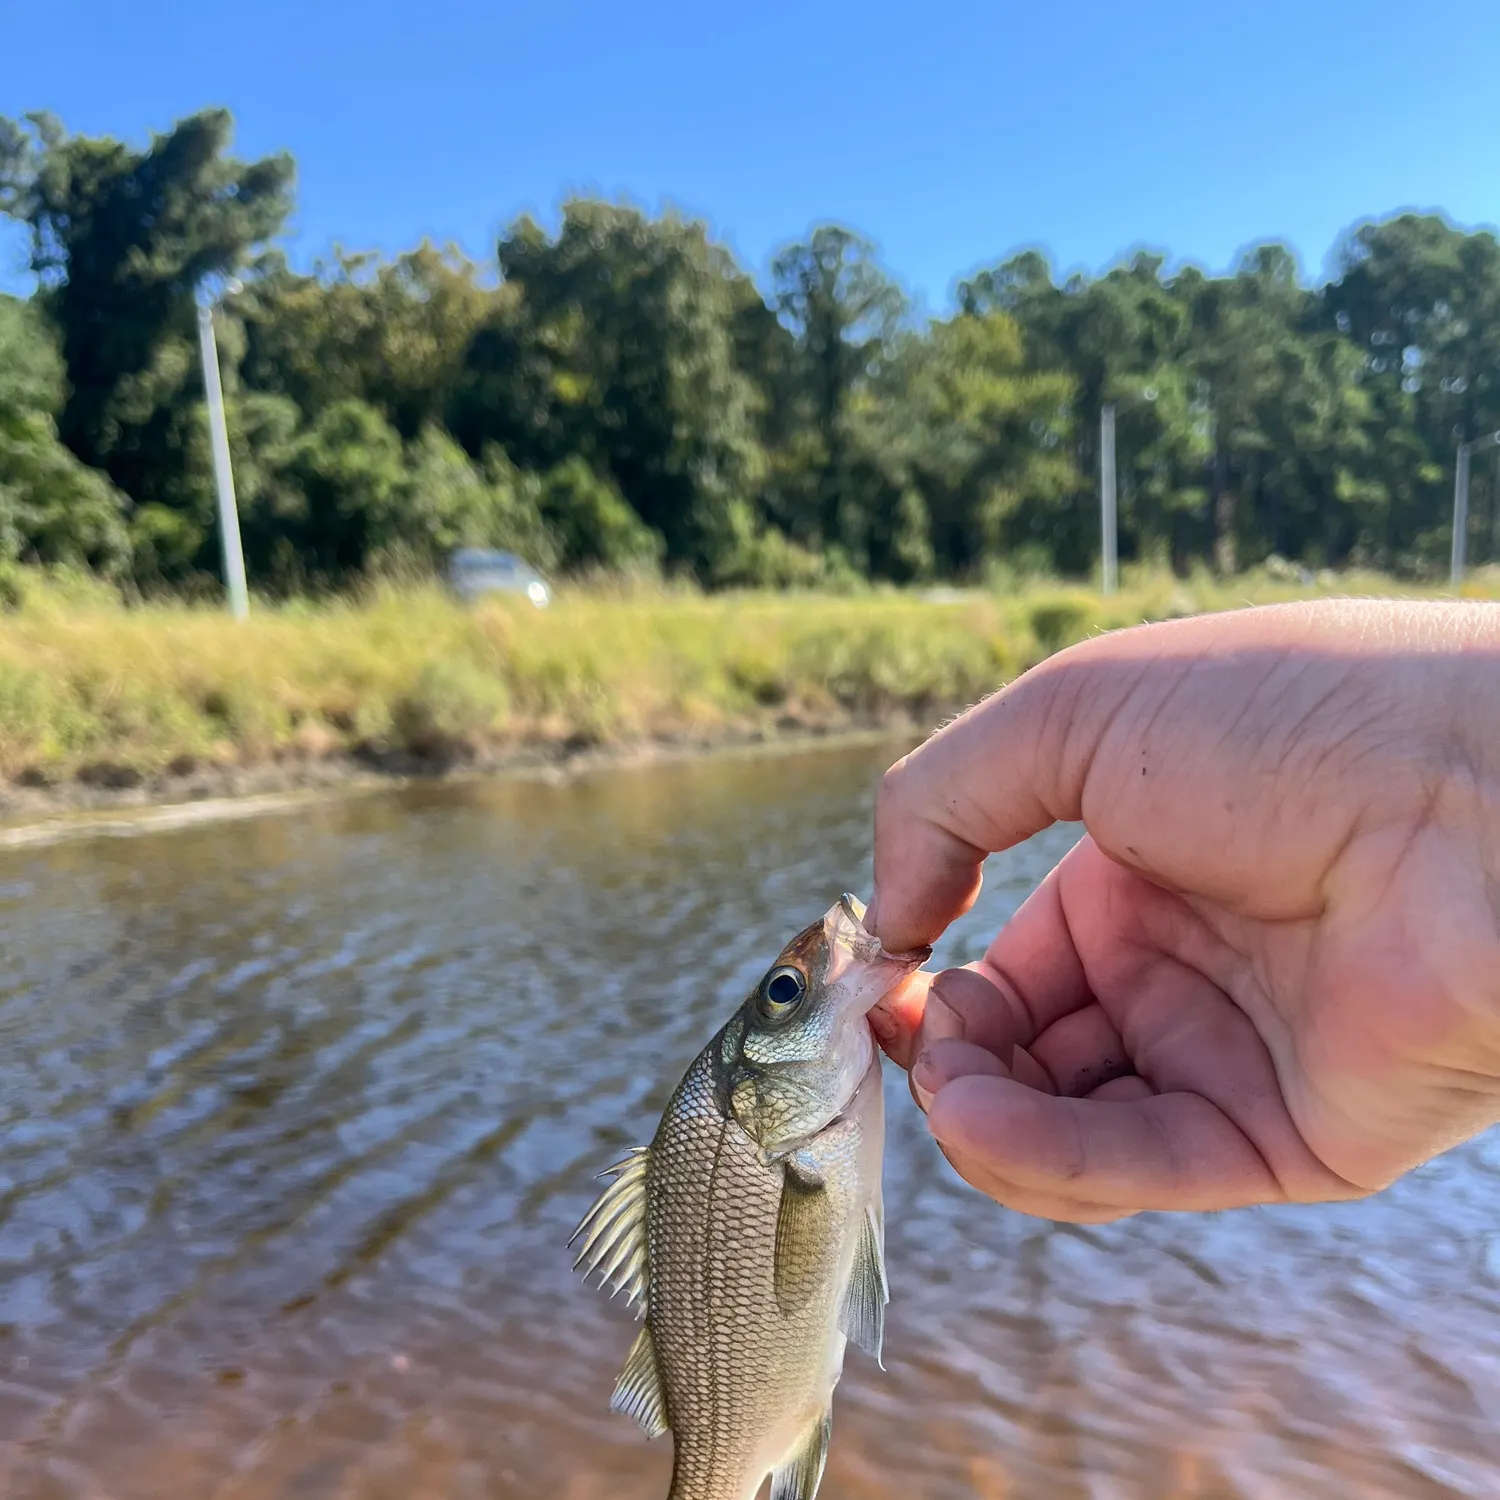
750	1233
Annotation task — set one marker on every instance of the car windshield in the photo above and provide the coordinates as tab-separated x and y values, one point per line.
489	564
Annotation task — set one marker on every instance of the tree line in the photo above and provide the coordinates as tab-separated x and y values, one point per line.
619	393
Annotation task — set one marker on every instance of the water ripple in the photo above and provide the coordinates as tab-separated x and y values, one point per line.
298	1113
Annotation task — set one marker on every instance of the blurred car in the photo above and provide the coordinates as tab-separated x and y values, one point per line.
474	572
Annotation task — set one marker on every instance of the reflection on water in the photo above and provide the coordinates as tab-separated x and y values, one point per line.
297	1115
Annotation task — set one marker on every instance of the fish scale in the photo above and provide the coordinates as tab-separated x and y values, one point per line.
750	1231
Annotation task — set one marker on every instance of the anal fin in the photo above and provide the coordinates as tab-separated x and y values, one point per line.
799	1476
638	1391
862	1310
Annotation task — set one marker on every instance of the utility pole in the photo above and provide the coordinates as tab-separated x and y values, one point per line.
229	516
1461	503
1107	499
1109	522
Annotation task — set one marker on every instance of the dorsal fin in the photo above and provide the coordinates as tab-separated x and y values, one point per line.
614	1231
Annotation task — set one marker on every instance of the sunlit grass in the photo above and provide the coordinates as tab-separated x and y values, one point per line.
90	686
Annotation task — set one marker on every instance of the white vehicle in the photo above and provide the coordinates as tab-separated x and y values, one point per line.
472	572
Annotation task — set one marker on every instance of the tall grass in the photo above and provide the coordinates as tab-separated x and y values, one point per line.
90	688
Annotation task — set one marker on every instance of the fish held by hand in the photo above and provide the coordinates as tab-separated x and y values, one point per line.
750	1233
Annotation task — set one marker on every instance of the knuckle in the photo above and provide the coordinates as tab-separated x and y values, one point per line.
895	787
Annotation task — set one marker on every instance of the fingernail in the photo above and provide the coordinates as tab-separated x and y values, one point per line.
938	1065
926	1080
921	1095
940	1022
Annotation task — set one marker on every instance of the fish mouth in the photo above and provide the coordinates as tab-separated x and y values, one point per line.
855	910
857	970
853	907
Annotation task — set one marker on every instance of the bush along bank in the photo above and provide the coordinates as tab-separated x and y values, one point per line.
100	701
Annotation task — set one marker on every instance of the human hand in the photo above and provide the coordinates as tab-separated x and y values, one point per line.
1270	971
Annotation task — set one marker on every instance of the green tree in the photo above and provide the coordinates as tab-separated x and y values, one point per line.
392	334
844	314
448	501
621	394
618	349
343	494
592	522
979	441
1284	415
52	508
349	468
1118	338
122	240
1419	300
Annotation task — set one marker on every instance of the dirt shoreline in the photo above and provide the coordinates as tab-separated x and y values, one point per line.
37	815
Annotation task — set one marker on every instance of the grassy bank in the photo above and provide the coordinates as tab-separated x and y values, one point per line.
94	694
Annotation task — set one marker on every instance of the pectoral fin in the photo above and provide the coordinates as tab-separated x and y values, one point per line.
803	1229
614	1231
798	1478
638	1392
862	1311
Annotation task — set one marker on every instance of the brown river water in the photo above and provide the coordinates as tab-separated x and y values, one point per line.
298	1114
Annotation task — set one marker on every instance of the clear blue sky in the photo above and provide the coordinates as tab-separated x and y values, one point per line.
952	132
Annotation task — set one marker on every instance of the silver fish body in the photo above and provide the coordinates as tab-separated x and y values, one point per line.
750	1232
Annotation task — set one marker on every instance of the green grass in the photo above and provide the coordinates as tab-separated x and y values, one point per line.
91	688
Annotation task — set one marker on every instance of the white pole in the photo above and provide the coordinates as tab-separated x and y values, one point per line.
1460	514
229	517
1108	522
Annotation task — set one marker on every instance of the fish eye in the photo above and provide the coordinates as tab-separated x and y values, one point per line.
781	990
784	988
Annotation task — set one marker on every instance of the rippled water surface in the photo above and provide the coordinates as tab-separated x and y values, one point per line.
298	1113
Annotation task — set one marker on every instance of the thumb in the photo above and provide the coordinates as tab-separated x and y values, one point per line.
999	773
